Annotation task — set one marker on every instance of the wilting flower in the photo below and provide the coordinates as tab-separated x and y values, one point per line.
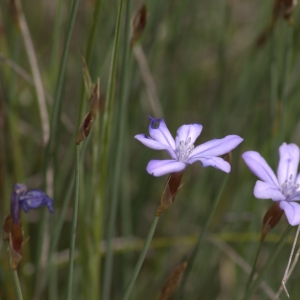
286	187
182	150
13	231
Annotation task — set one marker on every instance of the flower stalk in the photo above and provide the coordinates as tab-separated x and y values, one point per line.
141	259
14	274
200	239
74	226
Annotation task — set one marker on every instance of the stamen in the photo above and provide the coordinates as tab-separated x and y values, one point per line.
289	188
184	149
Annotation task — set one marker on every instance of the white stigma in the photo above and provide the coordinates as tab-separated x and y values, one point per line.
289	187
184	150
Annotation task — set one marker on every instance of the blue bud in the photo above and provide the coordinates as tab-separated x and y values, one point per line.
15	206
34	199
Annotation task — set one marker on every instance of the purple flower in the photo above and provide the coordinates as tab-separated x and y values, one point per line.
284	188
182	150
34	199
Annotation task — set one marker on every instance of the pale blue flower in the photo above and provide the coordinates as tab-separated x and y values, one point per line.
182	150
284	188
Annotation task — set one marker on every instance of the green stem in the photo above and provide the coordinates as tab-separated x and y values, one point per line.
59	224
200	239
118	164
74	225
141	259
14	275
53	126
268	264
253	267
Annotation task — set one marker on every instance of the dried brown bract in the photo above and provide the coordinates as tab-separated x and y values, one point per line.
271	219
138	25
282	8
172	188
90	117
13	234
171	283
285	9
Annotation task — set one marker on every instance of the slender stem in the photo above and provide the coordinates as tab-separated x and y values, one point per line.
59	224
285	276
289	273
53	126
118	164
200	239
74	225
58	103
268	264
141	258
253	268
14	275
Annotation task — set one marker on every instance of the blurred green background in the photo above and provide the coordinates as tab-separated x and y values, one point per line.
201	63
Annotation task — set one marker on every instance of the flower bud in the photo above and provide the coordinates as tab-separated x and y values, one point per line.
271	218
172	188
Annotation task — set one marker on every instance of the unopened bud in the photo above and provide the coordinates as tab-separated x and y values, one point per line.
271	219
138	25
172	188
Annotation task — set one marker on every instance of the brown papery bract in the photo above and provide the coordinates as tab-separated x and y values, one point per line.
172	282
282	8
90	117
271	219
138	25
172	188
13	234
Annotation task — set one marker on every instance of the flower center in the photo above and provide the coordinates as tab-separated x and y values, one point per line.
184	149
289	187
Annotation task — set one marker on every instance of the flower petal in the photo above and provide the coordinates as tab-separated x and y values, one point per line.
163	167
288	163
295	197
265	190
185	132
292	212
159	131
150	143
259	167
217	147
34	199
216	162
